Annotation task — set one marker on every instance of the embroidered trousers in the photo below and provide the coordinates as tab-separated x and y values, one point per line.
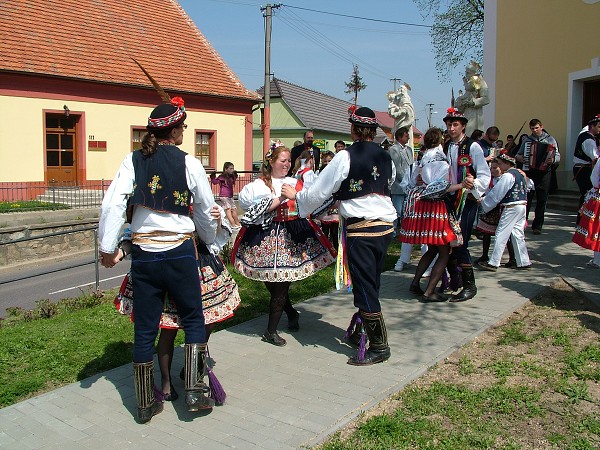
366	256
511	225
154	274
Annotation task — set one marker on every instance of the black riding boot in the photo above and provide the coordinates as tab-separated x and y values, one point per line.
379	350
469	289
143	379
196	390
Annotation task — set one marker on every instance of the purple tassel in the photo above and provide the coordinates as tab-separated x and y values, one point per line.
354	322
158	395
216	389
456	279
362	347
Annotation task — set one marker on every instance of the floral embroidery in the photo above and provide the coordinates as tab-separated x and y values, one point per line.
153	185
375	173
355	186
181	198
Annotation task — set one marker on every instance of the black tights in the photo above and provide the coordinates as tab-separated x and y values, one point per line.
280	301
443	252
165	348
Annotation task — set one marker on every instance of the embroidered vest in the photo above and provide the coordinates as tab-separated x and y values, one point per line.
160	182
579	153
518	192
464	148
370	172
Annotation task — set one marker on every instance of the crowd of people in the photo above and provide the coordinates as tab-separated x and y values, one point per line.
311	208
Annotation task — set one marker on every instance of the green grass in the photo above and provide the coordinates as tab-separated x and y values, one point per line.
62	343
29	205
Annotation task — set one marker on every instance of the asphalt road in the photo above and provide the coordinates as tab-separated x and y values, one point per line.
56	280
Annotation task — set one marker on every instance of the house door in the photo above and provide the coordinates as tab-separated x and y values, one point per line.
591	100
61	149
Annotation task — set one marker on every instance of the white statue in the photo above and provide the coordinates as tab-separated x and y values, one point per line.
476	96
402	110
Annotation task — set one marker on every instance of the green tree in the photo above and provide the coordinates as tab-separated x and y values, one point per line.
457	31
355	85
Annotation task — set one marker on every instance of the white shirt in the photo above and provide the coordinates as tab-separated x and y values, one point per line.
433	166
371	206
480	165
112	212
254	192
497	193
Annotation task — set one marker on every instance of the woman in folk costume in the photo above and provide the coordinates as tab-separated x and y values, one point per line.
304	170
359	177
587	232
220	297
275	245
159	181
428	218
510	192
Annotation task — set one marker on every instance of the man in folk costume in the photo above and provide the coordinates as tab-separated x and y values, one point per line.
469	167
510	192
360	179
585	155
159	182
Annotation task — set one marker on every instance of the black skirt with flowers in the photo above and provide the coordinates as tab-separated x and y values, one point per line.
283	251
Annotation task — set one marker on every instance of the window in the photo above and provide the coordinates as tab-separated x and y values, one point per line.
205	147
137	134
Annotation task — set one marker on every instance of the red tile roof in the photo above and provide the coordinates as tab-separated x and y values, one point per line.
95	40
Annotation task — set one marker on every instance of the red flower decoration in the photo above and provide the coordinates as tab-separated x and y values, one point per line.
464	160
352	109
177	101
451	110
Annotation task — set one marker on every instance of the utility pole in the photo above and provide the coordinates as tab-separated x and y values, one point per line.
266	125
429	107
394	80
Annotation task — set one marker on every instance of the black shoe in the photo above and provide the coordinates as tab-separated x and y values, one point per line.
487	266
511	264
524	267
481	260
171	396
293	324
435	297
371	357
416	289
537	231
273	338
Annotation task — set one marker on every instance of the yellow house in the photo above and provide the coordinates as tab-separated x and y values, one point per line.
73	102
542	60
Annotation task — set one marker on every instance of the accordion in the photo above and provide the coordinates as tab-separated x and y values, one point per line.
541	155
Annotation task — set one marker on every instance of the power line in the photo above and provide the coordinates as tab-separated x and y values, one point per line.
359	18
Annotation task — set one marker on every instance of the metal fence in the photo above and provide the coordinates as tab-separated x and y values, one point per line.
37	195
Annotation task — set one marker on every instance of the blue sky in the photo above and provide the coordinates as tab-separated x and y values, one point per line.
316	50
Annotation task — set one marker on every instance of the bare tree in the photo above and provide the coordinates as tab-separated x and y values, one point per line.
457	31
355	85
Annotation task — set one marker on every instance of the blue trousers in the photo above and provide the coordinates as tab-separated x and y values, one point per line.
366	256
467	221
154	274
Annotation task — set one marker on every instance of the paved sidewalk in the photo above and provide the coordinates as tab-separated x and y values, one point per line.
296	396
